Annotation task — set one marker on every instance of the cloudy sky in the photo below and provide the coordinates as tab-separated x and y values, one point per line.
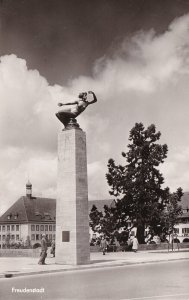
134	54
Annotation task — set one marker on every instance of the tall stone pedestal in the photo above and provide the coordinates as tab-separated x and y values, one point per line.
72	221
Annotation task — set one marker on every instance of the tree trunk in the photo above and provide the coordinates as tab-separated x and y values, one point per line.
140	233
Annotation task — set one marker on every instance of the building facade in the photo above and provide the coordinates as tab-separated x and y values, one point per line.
182	228
26	220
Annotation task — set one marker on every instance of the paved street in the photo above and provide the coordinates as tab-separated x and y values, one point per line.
163	280
18	266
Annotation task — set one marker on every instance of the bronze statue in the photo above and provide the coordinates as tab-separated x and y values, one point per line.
67	115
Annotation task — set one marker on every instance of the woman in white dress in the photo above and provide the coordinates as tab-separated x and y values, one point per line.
135	244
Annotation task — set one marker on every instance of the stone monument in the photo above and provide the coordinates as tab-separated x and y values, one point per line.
72	220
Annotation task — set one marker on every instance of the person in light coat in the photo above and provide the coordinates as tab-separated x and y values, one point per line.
135	244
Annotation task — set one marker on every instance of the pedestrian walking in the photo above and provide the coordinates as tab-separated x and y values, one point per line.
53	248
103	245
43	253
135	244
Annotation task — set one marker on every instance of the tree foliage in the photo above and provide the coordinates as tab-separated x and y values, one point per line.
170	216
137	186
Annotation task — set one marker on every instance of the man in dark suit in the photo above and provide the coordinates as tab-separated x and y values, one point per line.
43	253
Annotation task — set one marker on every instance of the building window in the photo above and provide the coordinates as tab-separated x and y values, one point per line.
50	237
0	227
3	228
53	236
37	237
8	227
54	227
12	227
50	227
185	230
37	227
42	227
12	237
17	227
33	237
46	227
0	237
32	227
17	237
3	238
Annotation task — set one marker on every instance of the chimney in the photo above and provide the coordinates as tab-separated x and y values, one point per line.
28	189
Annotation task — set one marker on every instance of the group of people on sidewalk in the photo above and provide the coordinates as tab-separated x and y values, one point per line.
132	244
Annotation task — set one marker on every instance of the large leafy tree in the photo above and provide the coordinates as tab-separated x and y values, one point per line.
137	185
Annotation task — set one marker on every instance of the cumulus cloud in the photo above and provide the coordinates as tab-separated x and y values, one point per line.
25	107
141	63
148	71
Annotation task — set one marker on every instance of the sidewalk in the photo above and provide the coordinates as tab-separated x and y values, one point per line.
22	266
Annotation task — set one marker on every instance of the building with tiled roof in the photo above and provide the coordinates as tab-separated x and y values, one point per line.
26	220
29	217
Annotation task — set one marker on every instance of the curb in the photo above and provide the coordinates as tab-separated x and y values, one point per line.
10	274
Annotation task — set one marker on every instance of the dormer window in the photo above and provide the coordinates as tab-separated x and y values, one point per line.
9	216
38	214
15	216
47	216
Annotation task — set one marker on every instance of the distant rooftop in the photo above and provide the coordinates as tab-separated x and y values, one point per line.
33	209
38	209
